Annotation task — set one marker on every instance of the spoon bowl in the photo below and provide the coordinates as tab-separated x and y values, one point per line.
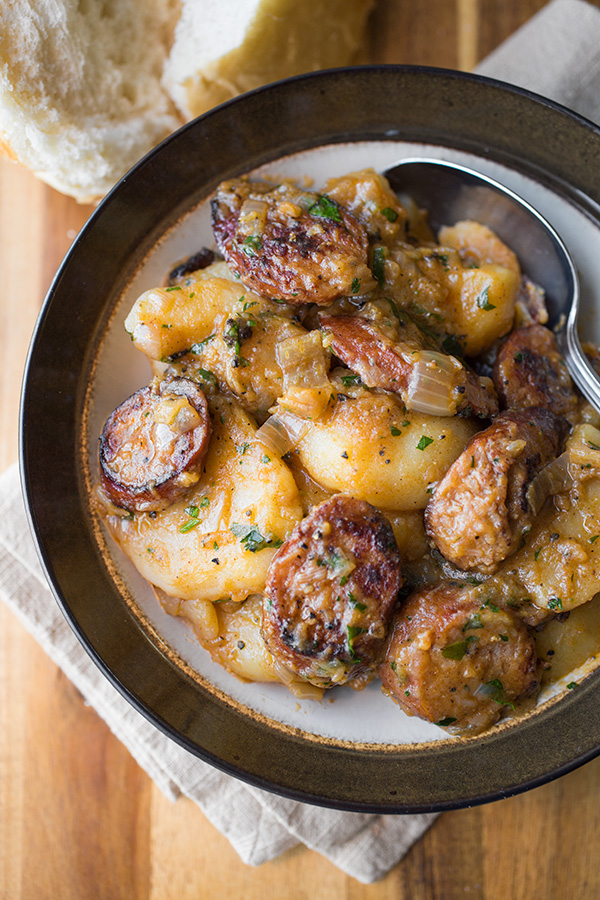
451	192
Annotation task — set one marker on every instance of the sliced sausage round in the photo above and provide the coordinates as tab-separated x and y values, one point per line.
479	510
153	445
457	663
331	592
289	244
530	371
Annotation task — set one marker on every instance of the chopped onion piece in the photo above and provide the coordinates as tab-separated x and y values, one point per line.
282	432
552	479
307	391
581	460
253	218
432	384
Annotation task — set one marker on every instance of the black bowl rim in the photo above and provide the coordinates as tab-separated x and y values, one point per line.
433	777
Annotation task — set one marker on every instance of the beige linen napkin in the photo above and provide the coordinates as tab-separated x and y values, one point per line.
557	54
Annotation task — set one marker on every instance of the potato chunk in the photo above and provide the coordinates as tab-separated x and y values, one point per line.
371	449
219	541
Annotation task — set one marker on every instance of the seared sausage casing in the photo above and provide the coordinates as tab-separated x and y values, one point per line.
479	510
530	371
331	591
290	244
380	363
154	444
455	662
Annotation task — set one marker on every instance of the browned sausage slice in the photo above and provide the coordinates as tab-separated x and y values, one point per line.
479	510
154	444
530	371
382	363
290	244
457	663
331	591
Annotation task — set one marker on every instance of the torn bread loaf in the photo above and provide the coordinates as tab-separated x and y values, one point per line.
87	87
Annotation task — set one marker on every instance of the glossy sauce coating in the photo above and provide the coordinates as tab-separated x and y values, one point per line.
456	662
331	591
154	444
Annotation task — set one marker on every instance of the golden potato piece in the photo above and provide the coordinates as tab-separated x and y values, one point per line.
371	448
219	541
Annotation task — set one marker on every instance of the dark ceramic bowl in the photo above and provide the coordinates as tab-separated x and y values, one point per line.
546	153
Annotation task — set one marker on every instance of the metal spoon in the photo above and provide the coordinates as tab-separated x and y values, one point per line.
451	192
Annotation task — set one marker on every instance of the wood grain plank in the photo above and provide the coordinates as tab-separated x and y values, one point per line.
414	33
78	818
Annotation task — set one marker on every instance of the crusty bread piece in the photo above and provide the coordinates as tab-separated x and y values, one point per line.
224	48
87	87
80	87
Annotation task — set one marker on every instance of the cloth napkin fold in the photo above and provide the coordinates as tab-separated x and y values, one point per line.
556	54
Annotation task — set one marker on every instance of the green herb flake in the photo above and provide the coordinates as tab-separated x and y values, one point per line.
571	685
424	442
503	637
483	301
265	459
200	346
204	503
353	632
594	538
175	287
379	264
325	208
449	720
355	286
207	376
491	606
348	380
189	525
390	214
593	446
555	603
395	431
473	622
457	650
252	539
192	511
251	245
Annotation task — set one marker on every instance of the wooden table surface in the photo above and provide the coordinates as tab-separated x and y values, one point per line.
78	818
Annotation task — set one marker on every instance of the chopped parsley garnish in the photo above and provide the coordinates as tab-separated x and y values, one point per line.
379	264
325	208
491	606
251	245
473	622
175	287
449	720
495	690
395	431
571	685
355	286
265	459
483	301
424	442
252	539
594	538
347	380
207	376
593	446
353	632
555	603
200	346
457	650
390	214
